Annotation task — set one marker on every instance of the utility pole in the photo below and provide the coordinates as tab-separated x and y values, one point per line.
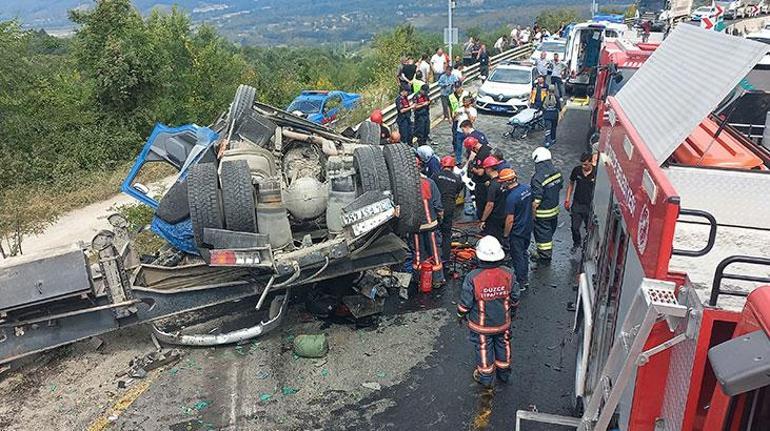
451	4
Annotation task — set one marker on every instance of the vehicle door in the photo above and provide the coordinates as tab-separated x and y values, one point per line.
331	108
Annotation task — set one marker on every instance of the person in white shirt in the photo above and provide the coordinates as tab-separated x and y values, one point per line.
558	74
438	63
515	35
501	44
424	67
524	36
458	72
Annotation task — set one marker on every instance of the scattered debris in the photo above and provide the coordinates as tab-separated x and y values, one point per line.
381	374
262	375
265	397
361	307
325	373
95	343
139	366
311	345
320	363
155	342
571	306
200	405
372	385
288	390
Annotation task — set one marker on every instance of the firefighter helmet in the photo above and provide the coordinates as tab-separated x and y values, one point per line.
448	162
507	175
470	143
424	152
490	162
376	116
488	249
541	154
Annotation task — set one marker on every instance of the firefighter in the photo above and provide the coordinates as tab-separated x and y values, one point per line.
477	148
427	241
546	184
450	185
376	118
488	299
518	224
404	116
493	216
431	164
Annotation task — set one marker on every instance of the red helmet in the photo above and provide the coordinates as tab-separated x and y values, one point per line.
470	143
490	162
448	162
376	116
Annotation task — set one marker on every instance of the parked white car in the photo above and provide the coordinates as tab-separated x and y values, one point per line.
763	37
550	46
702	12
507	89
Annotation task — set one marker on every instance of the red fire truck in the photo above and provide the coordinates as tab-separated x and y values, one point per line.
673	327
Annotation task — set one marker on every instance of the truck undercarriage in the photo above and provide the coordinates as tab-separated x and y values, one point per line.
263	202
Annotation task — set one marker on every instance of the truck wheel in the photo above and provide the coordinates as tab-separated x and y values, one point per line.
174	206
405	186
238	196
243	100
372	172
369	133
203	194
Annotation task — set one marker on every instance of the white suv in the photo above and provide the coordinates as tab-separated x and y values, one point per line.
507	89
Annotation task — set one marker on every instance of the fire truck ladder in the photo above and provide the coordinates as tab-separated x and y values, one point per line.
654	302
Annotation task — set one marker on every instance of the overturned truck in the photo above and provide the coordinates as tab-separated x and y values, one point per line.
262	201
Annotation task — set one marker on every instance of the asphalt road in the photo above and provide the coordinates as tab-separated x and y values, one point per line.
442	395
412	372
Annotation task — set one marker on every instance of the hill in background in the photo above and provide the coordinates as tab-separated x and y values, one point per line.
305	22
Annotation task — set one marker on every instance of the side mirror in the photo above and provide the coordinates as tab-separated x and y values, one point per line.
618	77
141	188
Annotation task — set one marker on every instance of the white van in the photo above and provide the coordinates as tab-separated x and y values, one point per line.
583	47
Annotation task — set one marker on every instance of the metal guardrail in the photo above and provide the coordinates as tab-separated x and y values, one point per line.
471	73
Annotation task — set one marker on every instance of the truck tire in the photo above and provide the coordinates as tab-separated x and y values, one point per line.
174	206
369	133
243	100
372	172
205	204
405	186
238	196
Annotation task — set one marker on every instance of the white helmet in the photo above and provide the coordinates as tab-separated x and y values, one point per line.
488	249
541	154
424	152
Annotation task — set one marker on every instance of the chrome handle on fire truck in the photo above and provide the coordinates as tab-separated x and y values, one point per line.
712	233
719	275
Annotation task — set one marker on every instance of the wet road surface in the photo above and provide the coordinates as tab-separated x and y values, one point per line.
442	395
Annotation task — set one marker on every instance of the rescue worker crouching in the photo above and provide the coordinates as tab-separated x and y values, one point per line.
488	300
404	115
431	164
427	242
493	215
546	184
450	185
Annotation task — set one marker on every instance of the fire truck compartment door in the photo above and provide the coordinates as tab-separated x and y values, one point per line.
742	364
682	82
733	197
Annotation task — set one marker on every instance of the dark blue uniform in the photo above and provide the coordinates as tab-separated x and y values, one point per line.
519	204
421	119
404	120
450	185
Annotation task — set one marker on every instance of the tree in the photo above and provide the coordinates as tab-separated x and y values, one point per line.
552	19
22	213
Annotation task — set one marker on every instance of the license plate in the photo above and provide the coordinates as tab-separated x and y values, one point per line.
499	108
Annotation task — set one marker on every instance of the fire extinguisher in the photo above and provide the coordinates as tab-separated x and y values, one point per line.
426	276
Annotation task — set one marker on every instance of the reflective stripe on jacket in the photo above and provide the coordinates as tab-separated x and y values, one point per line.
546	185
486	299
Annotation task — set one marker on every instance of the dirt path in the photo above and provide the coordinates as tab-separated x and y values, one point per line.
83	223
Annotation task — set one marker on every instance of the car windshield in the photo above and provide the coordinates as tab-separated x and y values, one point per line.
511	76
703	9
616	86
305	106
552	47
